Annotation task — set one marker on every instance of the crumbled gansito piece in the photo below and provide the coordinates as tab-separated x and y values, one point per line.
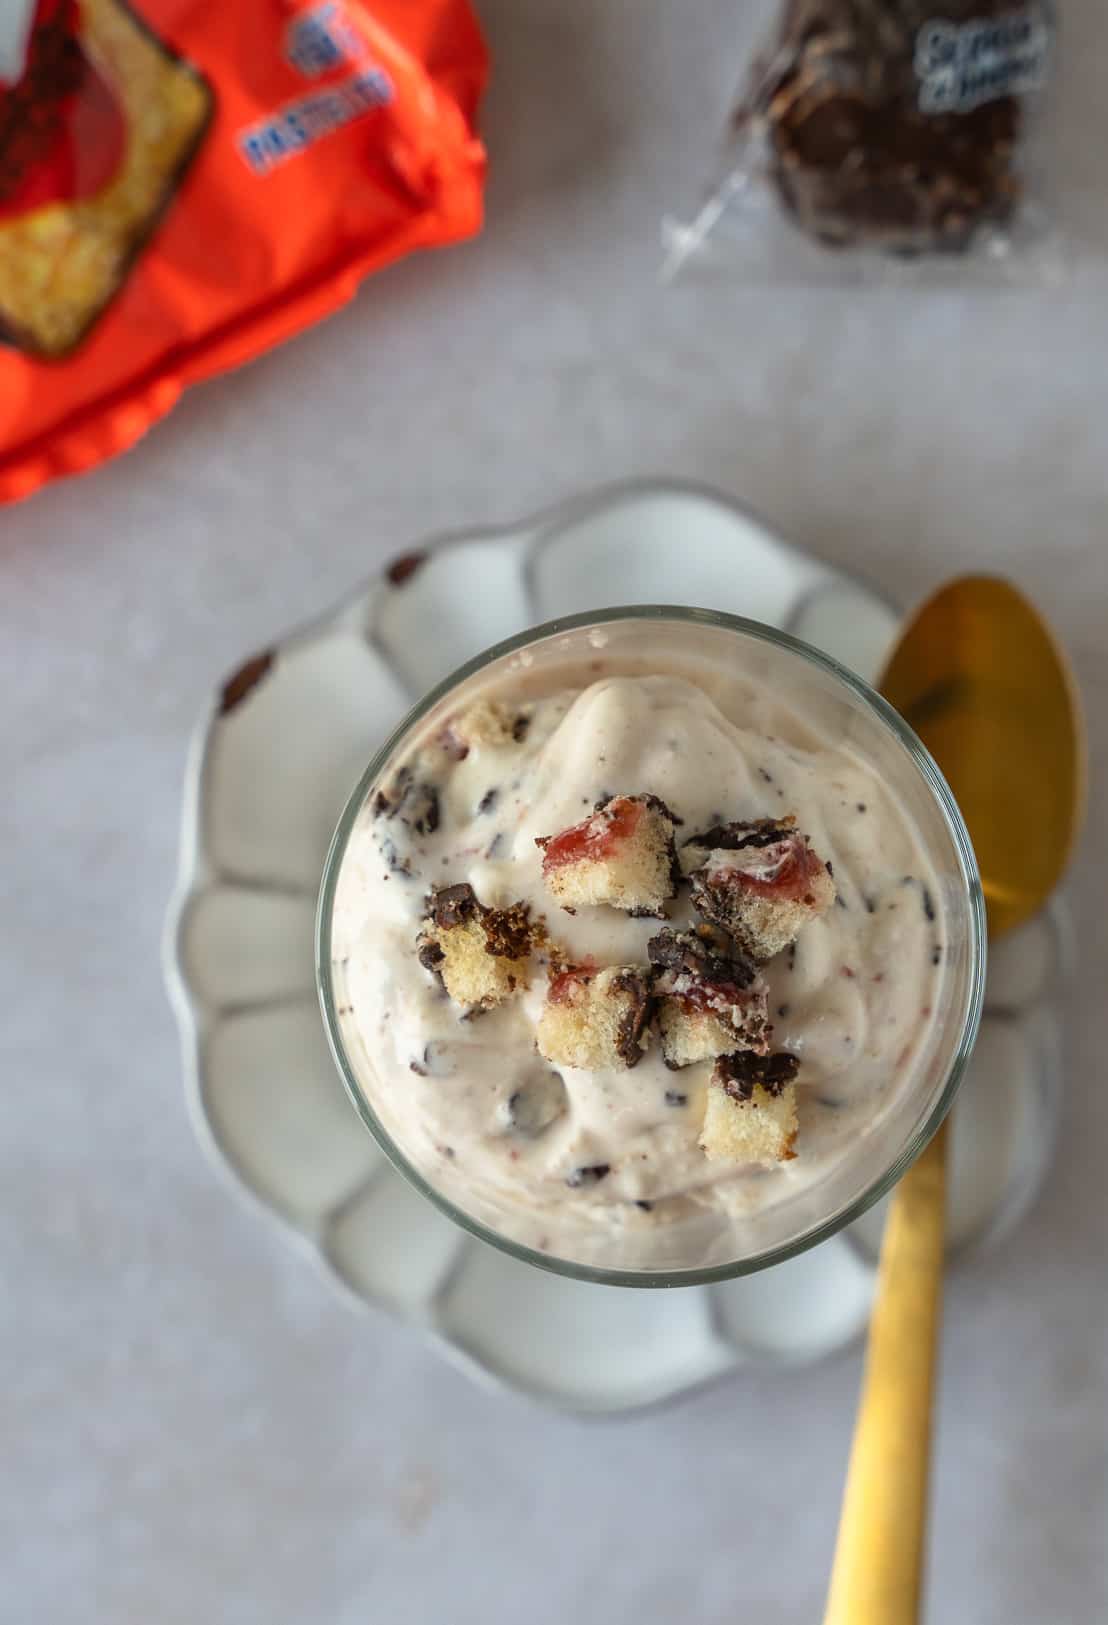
750	1115
622	855
711	1000
594	1019
759	881
488	724
480	954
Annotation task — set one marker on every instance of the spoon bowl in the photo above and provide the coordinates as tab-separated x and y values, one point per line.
981	679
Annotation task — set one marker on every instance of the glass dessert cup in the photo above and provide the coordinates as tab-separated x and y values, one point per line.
706	1245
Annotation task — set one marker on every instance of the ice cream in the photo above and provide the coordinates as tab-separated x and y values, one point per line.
633	945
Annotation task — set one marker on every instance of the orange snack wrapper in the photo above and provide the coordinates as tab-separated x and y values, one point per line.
184	183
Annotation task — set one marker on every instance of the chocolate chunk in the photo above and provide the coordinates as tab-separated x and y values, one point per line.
589	1176
706	953
488	800
431	956
928	904
739	1073
647	1207
520	727
674	1097
634	1022
453	905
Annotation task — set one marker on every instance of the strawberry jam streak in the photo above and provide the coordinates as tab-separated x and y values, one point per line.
710	998
794	873
594	838
565	984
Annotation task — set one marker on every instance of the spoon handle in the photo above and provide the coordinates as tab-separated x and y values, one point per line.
877	1577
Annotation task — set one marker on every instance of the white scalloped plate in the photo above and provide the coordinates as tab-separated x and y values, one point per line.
270	768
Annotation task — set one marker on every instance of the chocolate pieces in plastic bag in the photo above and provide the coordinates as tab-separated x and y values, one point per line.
894	128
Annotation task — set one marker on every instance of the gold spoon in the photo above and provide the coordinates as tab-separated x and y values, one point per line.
980	678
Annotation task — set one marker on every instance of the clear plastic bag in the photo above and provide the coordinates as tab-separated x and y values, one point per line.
887	140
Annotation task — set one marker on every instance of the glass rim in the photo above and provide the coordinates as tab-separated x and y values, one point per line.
929	771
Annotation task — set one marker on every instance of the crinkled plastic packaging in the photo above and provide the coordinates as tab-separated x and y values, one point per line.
888	140
184	183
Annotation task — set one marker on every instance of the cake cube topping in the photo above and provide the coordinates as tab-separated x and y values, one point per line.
596	1018
750	1113
487	724
711	999
738	1075
481	955
761	882
622	855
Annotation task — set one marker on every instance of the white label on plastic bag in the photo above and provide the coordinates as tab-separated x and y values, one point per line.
961	66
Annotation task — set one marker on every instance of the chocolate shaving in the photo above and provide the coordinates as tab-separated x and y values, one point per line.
633	1023
738	1075
738	836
